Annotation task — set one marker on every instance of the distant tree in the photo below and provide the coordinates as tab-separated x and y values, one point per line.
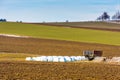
116	16
3	20
104	17
43	22
67	21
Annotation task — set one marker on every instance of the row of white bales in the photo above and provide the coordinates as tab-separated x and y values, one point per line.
57	58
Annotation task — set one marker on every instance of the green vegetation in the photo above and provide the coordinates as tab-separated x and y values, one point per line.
61	33
14	56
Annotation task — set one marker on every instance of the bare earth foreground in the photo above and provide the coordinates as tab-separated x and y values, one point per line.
58	71
22	70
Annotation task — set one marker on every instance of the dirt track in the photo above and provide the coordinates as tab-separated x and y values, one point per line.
52	47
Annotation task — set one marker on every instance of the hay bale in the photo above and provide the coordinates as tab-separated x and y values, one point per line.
61	59
55	59
50	58
67	59
28	59
115	59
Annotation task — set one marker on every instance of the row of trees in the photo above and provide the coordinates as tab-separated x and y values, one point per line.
105	17
3	20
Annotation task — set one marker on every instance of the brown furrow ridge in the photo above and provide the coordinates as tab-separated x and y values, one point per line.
53	47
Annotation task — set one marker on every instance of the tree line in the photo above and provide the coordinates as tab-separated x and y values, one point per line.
3	20
105	16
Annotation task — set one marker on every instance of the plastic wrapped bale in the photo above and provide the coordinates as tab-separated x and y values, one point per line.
116	59
60	56
28	59
54	56
73	58
78	58
61	59
50	58
38	59
34	58
44	58
55	59
68	59
83	58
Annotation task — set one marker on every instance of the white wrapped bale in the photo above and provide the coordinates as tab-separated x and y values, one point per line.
67	59
50	58
44	58
34	58
38	59
78	58
55	59
28	59
116	59
61	59
73	58
83	58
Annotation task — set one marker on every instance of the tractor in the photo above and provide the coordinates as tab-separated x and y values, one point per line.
92	54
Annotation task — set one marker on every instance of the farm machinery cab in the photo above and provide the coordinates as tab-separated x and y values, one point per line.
92	54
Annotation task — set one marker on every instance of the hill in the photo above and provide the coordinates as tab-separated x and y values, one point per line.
109	26
61	33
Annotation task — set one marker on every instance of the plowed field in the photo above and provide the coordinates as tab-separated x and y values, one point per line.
58	71
53	47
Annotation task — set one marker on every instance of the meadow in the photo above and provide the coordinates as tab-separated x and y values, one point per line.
61	33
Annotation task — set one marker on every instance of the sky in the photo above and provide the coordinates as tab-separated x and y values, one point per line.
56	10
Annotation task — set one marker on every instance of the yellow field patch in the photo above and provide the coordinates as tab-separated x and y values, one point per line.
15	56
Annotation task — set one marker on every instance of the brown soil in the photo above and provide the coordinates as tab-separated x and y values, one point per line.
58	71
53	47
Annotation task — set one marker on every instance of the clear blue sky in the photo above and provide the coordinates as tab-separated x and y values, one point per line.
55	10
